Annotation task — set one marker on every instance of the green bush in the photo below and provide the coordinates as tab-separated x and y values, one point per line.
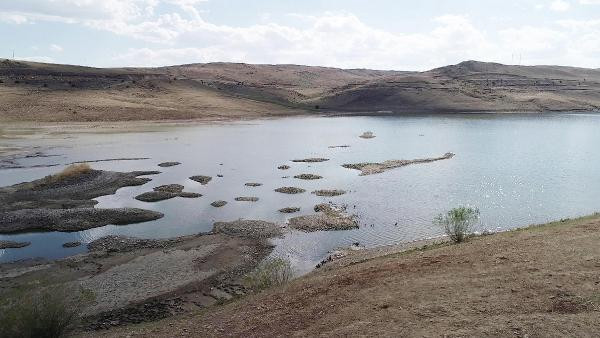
271	272
458	222
43	314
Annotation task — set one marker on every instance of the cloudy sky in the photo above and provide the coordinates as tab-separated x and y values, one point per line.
380	34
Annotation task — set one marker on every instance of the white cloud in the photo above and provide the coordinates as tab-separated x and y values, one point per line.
175	32
13	18
589	2
56	48
560	6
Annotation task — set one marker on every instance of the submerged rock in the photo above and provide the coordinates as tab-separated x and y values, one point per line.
312	160
290	190
308	177
71	244
13	245
289	210
368	168
201	179
218	204
248	228
168	164
329	193
246	199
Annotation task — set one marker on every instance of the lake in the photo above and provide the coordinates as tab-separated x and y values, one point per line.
518	169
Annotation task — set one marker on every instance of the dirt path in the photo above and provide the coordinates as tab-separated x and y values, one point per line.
539	282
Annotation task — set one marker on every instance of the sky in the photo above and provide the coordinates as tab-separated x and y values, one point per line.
376	34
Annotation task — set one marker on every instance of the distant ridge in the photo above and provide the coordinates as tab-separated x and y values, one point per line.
52	92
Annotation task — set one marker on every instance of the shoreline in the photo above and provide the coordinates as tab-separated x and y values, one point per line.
493	284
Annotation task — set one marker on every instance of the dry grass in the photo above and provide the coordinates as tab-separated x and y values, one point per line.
72	171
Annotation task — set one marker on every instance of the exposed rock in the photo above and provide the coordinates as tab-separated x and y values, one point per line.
289	210
342	146
367	134
13	245
69	192
114	243
218	204
165	192
168	164
283	167
201	179
71	219
155	196
367	168
246	199
71	244
290	190
253	184
173	188
308	177
328	218
219	175
312	160
329	193
186	194
248	228
64	202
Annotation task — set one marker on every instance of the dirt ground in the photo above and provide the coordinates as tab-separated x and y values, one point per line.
542	281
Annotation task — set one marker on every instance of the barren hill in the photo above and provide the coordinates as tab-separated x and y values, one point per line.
50	92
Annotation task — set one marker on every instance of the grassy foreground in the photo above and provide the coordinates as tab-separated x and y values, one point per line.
541	281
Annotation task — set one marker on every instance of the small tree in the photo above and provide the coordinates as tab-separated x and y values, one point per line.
458	222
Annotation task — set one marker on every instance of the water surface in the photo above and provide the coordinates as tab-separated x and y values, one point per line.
518	169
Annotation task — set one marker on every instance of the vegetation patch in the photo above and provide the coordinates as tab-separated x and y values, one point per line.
270	273
458	223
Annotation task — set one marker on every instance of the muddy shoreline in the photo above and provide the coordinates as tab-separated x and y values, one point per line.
126	275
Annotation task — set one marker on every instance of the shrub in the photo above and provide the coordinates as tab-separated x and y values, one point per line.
50	313
73	170
271	272
458	222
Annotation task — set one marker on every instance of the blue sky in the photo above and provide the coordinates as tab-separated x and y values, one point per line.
379	34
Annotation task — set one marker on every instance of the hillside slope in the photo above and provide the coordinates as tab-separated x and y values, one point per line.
49	92
537	282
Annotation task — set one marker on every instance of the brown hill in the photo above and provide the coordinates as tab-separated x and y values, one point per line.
51	92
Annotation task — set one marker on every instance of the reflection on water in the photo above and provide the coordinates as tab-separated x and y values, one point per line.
518	169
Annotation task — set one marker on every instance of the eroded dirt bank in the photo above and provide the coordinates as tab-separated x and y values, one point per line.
537	282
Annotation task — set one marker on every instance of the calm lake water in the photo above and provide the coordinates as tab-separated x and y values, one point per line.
518	169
